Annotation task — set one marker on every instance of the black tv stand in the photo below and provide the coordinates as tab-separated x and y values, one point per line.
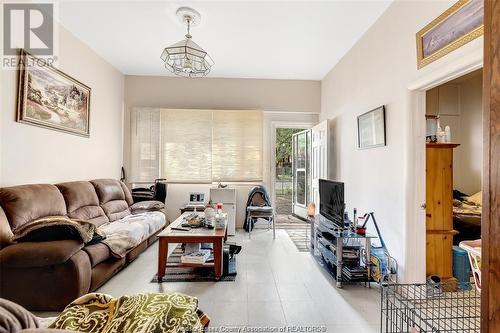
343	253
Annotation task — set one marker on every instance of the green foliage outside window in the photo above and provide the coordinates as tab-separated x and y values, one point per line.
284	144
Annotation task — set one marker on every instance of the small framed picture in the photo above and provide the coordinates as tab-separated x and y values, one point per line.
371	128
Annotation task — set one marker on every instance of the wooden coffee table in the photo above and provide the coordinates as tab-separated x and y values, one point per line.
194	235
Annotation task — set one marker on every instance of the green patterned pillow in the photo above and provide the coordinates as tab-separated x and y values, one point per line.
146	312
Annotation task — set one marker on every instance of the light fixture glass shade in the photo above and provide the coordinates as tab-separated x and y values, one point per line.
186	58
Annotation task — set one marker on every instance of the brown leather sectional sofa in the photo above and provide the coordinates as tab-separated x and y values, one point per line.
49	275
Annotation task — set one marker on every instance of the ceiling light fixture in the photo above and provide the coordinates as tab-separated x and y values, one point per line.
186	58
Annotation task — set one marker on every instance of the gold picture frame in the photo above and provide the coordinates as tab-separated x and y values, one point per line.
49	98
457	26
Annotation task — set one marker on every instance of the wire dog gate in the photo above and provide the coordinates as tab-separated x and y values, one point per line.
417	308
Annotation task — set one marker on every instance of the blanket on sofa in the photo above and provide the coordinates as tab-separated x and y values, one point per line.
124	234
120	236
54	228
146	312
14	318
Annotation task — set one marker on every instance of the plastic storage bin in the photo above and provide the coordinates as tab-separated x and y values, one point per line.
461	268
473	248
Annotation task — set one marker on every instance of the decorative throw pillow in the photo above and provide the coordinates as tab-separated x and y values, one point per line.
145	312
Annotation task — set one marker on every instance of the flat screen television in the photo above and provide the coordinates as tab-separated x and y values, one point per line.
331	201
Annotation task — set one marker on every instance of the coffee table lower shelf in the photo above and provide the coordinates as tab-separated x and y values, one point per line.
163	250
181	264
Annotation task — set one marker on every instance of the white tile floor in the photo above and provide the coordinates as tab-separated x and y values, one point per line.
276	286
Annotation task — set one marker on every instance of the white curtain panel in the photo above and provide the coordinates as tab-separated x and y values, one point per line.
145	144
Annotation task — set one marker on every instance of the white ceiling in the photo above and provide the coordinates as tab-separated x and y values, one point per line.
246	39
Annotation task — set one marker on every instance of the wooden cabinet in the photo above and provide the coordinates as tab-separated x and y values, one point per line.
439	254
439	209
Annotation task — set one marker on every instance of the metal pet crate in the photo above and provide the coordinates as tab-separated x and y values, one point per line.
417	308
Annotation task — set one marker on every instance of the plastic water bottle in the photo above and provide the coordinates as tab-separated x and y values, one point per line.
447	134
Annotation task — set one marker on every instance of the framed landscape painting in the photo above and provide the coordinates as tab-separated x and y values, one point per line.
460	24
371	128
50	98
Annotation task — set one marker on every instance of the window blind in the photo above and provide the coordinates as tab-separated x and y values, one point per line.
237	146
145	139
196	146
186	146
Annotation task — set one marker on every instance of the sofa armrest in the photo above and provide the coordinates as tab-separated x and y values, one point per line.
39	254
47	288
147	206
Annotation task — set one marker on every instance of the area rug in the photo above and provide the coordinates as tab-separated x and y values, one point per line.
188	274
288	219
298	236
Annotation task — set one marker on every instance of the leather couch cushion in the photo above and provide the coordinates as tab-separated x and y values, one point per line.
116	209
78	194
82	202
97	253
38	254
108	190
25	203
6	234
112	198
92	214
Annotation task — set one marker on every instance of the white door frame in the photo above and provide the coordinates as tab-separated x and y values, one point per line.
274	126
320	138
300	209
415	257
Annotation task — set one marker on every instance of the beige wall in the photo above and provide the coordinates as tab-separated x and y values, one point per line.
467	130
207	93
292	101
379	70
210	93
30	154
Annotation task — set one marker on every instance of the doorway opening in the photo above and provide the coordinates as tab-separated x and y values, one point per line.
454	163
289	184
300	159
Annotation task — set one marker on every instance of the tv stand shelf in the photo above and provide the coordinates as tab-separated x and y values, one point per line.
344	254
